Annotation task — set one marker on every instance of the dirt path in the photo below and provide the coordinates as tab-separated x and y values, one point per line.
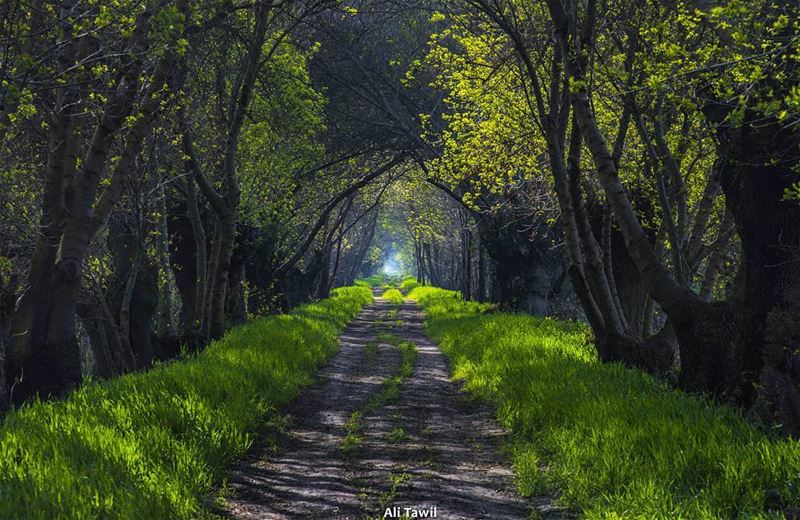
428	447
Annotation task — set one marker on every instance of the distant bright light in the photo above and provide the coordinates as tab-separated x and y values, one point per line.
391	267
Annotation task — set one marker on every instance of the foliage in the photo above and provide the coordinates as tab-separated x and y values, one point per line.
280	139
615	442
490	139
150	445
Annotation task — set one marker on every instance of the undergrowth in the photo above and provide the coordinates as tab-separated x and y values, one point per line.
610	441
150	445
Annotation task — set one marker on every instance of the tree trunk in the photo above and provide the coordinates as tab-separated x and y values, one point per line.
237	304
466	264
525	270
133	296
769	228
8	290
211	280
324	287
432	268
481	272
363	249
200	250
184	262
418	262
227	237
46	358
166	288
337	259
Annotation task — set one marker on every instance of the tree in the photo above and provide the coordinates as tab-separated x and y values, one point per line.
737	348
43	354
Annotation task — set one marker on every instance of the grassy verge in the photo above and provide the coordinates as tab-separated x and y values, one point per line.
380	280
394	296
385	281
613	442
150	445
376	280
408	284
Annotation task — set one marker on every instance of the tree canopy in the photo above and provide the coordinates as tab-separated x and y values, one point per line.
173	168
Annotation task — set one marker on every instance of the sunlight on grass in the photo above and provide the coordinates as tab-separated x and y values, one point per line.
150	445
376	280
614	442
394	296
408	284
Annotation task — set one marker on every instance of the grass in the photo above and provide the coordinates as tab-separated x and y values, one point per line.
376	280
394	296
612	442
371	351
396	482
353	428
150	445
381	280
408	284
385	281
398	435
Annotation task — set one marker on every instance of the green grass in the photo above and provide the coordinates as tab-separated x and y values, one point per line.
353	428
390	319
396	482
381	280
392	315
150	445
390	388
386	281
394	296
371	351
408	284
376	280
613	442
398	435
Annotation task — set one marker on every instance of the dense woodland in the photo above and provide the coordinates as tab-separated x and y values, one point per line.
171	169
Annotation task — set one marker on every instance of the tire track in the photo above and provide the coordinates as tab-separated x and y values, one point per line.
429	449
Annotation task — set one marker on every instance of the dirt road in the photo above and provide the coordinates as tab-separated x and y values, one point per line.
416	446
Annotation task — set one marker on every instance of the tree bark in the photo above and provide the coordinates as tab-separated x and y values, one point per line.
166	316
200	249
466	264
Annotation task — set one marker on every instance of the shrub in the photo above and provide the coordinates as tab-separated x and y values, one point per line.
150	445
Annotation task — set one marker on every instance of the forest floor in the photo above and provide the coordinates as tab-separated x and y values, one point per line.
385	427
